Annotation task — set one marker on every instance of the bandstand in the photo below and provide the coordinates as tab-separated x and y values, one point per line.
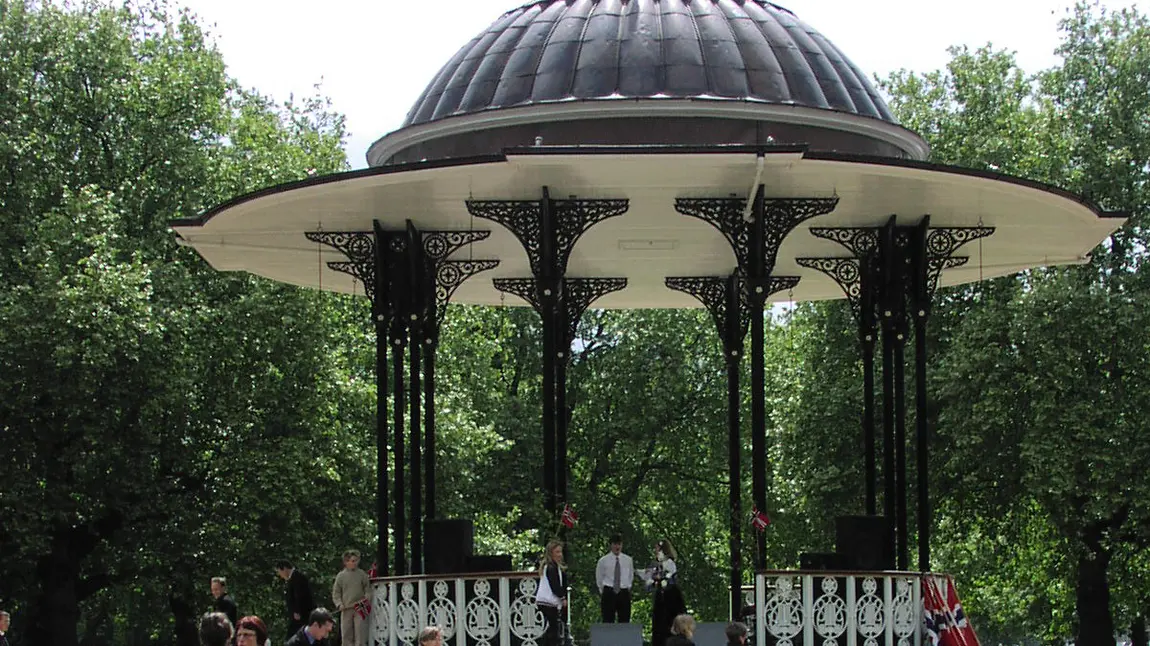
651	154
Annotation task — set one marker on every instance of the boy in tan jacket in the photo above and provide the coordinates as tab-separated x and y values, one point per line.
352	586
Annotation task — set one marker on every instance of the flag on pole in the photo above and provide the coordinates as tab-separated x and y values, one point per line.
362	608
759	519
946	623
569	517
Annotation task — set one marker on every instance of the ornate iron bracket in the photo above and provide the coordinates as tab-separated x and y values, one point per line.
449	275
779	217
577	296
711	291
847	274
569	219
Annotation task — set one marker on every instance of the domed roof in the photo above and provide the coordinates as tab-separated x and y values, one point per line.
581	50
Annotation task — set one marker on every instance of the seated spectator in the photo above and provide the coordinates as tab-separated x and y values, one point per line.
319	625
682	631
215	629
430	636
251	631
736	634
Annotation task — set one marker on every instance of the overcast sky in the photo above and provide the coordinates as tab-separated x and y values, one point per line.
374	58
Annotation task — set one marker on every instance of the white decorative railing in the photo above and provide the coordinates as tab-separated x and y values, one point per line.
828	608
808	608
473	610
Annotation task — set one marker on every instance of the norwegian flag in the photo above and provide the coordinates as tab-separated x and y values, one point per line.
946	623
362	608
759	519
569	517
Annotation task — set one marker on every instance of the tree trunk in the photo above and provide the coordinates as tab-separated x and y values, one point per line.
1138	635
55	611
1095	625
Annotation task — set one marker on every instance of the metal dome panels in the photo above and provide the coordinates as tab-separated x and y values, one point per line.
580	50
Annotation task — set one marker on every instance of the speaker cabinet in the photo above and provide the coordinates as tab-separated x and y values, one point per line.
865	541
448	543
823	562
489	563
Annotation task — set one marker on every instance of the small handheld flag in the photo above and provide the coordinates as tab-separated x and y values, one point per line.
759	519
569	517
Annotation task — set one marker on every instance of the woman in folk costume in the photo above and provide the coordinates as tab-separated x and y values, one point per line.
668	604
551	597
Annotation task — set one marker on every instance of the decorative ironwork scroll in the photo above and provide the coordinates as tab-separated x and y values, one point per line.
847	274
781	216
711	291
578	294
450	274
524	218
525	288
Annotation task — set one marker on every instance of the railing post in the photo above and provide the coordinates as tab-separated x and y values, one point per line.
808	608
504	611
392	615
888	608
760	602
460	612
852	613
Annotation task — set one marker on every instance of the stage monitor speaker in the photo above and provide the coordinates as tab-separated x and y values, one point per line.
865	541
489	563
448	543
616	635
711	634
823	562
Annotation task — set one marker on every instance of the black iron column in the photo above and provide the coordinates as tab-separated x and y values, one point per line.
855	276
409	294
905	266
548	230
726	301
430	345
755	235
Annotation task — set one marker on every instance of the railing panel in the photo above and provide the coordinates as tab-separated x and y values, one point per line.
849	609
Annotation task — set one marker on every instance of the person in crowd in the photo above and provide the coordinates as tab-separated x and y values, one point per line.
614	575
430	636
224	602
5	621
297	596
551	597
682	631
251	631
351	589
320	623
736	634
215	629
662	578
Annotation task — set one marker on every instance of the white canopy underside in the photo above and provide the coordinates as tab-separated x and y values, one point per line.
264	234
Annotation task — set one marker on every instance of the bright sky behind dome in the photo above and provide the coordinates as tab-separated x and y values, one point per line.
375	58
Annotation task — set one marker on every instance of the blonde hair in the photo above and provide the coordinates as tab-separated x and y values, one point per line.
684	625
546	560
350	554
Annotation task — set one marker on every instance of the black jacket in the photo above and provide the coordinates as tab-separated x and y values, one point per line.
227	605
298	595
679	640
557	579
300	639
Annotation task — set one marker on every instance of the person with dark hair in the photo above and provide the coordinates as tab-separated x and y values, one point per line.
297	596
662	578
224	601
319	625
736	634
215	629
251	631
614	575
551	596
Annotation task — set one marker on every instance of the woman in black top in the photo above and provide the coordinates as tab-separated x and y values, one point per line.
551	570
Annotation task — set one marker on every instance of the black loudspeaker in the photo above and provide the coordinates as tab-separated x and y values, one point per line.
823	562
865	541
448	543
489	563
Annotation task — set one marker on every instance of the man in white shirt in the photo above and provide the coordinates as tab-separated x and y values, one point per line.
613	576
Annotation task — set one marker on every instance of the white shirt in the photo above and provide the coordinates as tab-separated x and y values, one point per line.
605	571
